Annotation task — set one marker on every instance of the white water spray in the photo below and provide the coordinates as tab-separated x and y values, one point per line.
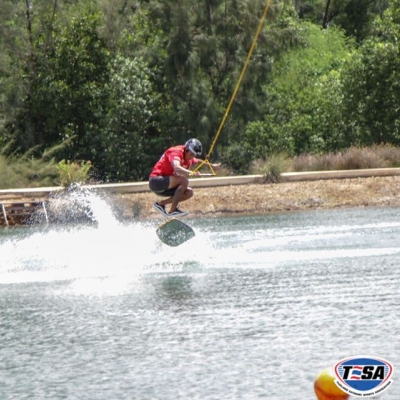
87	241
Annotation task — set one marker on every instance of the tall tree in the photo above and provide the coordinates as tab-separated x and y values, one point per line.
371	84
304	106
354	16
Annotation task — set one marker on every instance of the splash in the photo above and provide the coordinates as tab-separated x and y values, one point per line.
86	240
80	205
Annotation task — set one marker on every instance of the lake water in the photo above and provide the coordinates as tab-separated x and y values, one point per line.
251	308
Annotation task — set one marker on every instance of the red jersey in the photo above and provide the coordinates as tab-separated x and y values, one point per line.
164	165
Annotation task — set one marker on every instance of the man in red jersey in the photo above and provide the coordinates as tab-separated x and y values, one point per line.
169	177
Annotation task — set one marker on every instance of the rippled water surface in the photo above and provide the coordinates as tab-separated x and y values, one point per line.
251	308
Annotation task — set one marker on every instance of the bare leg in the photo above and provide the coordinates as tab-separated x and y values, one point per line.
179	196
186	196
183	192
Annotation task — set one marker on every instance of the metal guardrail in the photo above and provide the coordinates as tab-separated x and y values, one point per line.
18	213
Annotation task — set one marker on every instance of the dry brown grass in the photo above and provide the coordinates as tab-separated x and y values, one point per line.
376	156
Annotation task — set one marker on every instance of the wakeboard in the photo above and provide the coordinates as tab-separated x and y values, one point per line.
174	232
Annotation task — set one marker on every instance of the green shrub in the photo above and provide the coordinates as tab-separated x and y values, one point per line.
272	168
237	158
25	172
73	172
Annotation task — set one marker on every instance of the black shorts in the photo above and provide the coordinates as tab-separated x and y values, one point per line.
159	185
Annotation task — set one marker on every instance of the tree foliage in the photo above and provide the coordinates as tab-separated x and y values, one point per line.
304	97
371	82
116	82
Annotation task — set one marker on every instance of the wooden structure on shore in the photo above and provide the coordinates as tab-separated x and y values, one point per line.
22	213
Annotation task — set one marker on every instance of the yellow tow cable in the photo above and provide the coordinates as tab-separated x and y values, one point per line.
250	53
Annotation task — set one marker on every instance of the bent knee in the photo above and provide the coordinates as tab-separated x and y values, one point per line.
184	180
179	180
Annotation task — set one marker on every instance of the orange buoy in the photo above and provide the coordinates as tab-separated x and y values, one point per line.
325	387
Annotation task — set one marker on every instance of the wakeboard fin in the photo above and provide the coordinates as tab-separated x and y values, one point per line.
174	232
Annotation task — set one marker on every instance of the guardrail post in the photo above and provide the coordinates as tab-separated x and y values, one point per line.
4	213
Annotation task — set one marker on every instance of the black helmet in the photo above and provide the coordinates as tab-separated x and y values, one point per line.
194	146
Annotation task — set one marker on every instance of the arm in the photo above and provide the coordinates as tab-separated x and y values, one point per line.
215	166
179	170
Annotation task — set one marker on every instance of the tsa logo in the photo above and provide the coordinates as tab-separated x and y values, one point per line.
363	376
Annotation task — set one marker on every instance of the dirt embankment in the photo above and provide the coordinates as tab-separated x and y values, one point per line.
281	197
